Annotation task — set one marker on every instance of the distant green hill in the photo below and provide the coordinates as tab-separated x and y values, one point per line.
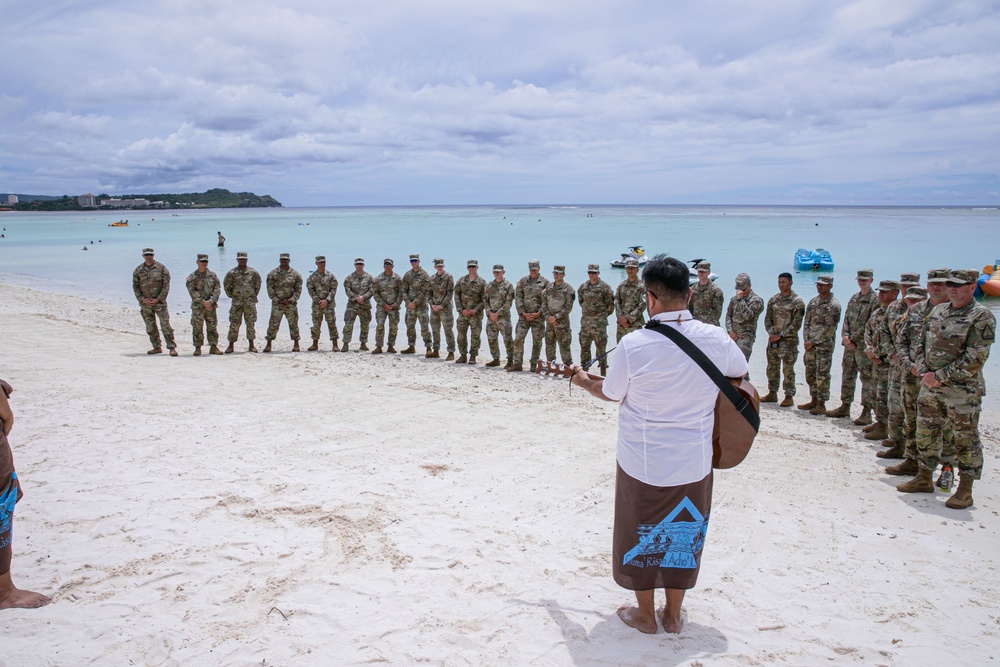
216	198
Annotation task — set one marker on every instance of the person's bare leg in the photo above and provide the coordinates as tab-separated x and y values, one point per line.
672	612
10	596
643	617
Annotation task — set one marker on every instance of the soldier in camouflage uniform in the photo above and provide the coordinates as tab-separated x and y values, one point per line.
359	288
557	302
907	342
442	290
204	287
151	284
782	321
957	340
893	313
597	302
741	317
855	361
878	351
630	301
497	299
388	292
706	297
470	292
528	301
242	285
819	338
322	287
416	287
284	287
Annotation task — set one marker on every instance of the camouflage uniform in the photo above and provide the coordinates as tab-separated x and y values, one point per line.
469	294
894	393
557	301
856	362
153	282
706	303
820	328
630	302
741	318
956	346
874	341
204	287
323	287
388	291
284	285
355	286
242	286
442	289
498	297
783	317
597	302
416	285
528	299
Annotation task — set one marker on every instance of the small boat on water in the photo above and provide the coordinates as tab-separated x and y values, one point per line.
813	260
120	223
989	282
634	252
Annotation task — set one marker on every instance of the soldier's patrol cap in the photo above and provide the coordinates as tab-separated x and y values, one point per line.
915	292
593	268
703	266
631	263
388	262
865	274
498	267
909	279
438	261
284	255
147	251
964	276
202	258
241	255
824	280
888	286
938	275
414	258
320	258
558	268
359	260
742	280
534	264
472	262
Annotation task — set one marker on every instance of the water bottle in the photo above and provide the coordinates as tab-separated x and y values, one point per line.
947	478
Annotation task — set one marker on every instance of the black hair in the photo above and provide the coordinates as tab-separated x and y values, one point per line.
668	279
786	274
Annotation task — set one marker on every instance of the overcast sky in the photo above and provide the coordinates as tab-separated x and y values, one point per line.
447	102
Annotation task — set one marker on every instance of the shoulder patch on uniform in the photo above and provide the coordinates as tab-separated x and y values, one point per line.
989	332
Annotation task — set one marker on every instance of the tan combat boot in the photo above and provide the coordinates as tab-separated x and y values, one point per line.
963	496
870	427
808	406
229	350
771	397
267	348
472	358
493	363
895	451
334	347
515	368
377	350
787	402
197	351
429	354
409	350
843	411
880	432
390	349
314	346
604	370
252	348
451	356
155	350
462	360
346	347
907	467
507	366
214	349
922	483
820	408
173	352
363	348
865	418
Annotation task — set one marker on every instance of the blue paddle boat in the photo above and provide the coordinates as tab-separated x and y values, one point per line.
813	260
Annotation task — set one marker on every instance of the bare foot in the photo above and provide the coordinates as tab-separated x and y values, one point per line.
18	599
631	616
672	624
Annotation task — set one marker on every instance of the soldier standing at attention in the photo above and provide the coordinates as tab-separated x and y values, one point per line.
204	288
528	301
877	350
470	292
284	287
416	285
782	321
855	361
819	337
706	297
322	287
630	300
242	285
741	317
498	297
442	289
359	288
557	302
908	338
151	284
957	339
893	314
597	302
388	291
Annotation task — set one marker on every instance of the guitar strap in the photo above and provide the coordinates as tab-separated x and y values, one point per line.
740	402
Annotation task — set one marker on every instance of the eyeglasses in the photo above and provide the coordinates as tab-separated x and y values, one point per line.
952	283
653	293
414	261
203	261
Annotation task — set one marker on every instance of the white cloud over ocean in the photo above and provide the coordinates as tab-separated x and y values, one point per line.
443	102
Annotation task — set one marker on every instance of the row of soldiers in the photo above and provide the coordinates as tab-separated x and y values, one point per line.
919	353
542	306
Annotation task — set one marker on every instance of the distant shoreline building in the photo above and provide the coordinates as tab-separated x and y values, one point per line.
87	201
11	199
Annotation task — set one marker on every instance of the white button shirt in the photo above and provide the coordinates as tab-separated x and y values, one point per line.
667	409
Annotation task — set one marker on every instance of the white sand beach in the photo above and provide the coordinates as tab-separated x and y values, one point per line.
341	509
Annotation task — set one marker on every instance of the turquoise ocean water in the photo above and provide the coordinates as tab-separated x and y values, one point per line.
44	251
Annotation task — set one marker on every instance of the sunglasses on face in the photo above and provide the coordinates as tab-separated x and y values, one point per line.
951	283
